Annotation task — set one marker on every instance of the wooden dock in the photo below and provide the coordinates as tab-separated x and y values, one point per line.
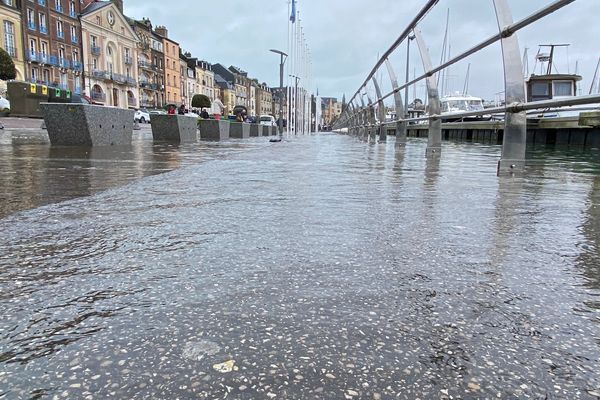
551	131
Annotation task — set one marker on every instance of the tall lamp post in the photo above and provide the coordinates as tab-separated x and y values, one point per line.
283	58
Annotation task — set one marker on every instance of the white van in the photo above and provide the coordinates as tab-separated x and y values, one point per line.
268	120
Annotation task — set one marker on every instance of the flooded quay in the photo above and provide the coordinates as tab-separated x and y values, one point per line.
320	267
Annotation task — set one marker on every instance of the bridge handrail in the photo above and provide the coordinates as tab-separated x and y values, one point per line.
515	27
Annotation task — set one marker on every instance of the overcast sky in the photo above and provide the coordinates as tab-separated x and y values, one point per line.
346	36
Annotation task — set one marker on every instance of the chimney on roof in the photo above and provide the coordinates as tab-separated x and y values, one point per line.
119	4
162	31
85	3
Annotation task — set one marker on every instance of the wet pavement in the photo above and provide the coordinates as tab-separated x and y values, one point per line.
321	267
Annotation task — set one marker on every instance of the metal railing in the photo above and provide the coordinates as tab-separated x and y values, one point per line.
96	50
360	117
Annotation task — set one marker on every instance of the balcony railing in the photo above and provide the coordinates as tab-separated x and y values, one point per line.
53	60
145	64
128	60
131	101
44	29
96	50
74	39
148	85
97	73
77	66
98	96
60	34
31	25
72	14
64	63
118	78
38	81
58	8
150	103
130	81
42	2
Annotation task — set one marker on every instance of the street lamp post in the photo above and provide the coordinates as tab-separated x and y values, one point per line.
283	58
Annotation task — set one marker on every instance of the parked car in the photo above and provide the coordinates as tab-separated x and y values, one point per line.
82	99
142	115
268	120
4	103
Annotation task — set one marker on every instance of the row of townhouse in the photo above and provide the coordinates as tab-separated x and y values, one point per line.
91	48
245	91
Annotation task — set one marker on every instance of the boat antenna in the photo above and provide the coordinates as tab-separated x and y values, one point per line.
551	56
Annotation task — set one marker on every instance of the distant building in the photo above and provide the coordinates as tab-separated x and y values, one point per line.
12	33
150	64
109	49
172	67
52	41
228	95
264	100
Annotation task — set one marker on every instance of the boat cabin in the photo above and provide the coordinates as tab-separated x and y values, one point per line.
547	87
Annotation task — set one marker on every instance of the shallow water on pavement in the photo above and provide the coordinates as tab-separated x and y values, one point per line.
33	175
320	267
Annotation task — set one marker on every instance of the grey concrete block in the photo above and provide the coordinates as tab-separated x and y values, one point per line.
239	130
255	130
174	128
264	130
211	129
87	125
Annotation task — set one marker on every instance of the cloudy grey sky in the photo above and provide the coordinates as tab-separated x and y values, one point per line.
346	36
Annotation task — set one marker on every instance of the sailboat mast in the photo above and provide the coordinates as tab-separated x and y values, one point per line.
594	78
466	86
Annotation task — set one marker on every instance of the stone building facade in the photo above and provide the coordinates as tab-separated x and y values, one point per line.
52	41
12	37
110	49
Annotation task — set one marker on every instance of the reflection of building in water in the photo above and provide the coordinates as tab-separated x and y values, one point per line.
589	259
33	176
22	176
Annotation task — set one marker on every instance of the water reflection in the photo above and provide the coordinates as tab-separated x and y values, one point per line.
589	259
37	175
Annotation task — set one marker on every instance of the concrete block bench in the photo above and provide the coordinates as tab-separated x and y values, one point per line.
211	129
87	125
174	128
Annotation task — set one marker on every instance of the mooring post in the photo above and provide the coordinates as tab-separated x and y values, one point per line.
401	124
434	144
363	118
514	144
381	113
371	117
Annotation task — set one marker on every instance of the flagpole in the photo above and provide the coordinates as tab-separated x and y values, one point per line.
287	89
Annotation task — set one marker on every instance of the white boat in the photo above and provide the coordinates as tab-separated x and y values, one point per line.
459	103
